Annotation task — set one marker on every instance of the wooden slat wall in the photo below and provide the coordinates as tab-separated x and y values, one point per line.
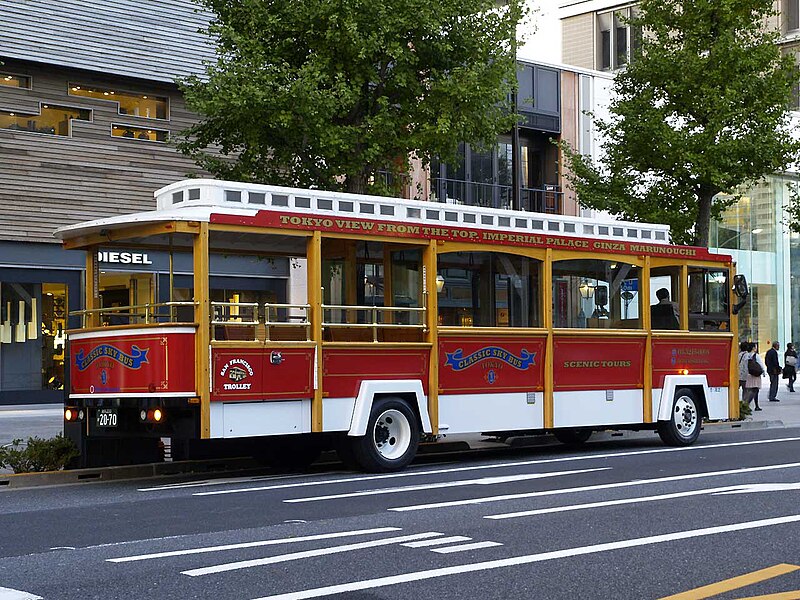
47	181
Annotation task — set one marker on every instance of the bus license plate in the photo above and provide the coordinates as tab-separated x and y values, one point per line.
106	417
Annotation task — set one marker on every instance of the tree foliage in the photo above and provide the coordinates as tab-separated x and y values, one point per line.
701	109
327	93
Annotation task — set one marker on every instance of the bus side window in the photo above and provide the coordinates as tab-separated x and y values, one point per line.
665	298
596	294
488	289
708	299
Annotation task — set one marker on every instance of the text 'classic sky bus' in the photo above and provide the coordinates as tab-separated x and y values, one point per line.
361	323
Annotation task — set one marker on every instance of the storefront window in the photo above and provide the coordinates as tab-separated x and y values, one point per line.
146	106
32	340
52	120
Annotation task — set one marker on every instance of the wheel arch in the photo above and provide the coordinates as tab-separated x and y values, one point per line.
408	389
672	383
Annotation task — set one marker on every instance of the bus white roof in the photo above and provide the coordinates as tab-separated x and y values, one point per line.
199	199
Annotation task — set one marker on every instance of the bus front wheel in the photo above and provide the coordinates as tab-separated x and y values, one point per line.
683	426
392	437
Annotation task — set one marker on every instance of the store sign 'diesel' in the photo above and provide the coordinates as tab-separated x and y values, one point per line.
124	258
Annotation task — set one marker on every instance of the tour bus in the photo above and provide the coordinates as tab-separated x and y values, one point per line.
367	324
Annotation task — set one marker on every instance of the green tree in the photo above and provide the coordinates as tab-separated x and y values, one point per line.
702	109
327	93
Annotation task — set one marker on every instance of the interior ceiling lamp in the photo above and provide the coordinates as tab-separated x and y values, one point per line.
586	289
439	283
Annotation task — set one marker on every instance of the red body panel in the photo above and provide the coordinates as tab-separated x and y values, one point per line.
709	357
137	363
249	373
598	363
343	369
490	365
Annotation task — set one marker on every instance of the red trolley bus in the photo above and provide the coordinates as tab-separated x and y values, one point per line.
397	318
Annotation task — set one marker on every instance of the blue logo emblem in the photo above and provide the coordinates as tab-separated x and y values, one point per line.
134	360
103	377
674	358
491	376
459	362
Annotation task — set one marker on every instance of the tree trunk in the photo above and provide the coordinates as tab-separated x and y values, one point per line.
356	184
703	226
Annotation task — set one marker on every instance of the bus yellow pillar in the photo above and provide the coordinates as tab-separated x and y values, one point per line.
644	310
547	304
431	297
202	317
314	258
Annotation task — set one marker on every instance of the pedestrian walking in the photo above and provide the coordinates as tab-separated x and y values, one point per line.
755	371
774	371
790	366
744	354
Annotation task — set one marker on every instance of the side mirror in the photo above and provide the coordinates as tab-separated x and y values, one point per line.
741	290
740	286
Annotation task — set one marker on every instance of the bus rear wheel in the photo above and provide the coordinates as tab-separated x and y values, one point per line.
683	426
392	437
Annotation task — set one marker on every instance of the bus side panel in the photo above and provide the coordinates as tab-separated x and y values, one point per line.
250	373
132	362
343	369
491	365
698	356
598	380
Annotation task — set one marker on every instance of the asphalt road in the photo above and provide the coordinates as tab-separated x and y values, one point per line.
626	519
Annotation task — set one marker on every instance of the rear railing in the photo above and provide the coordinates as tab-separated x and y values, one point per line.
139	314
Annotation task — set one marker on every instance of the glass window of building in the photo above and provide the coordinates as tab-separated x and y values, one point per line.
790	10
708	299
52	120
616	38
15	81
665	297
139	133
488	289
596	294
145	106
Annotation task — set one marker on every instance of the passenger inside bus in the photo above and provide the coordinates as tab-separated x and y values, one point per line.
664	314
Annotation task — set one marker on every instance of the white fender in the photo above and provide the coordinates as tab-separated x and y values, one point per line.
367	391
672	383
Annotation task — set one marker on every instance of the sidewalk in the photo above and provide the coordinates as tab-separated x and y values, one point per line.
787	410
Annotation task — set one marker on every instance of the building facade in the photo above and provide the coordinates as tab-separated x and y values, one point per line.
595	34
88	103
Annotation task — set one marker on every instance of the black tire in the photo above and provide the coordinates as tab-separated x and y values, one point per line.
392	437
573	437
686	419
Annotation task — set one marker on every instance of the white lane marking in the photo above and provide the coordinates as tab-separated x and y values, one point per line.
276	542
589	488
525	560
209	482
522	463
9	594
465	547
762	487
270	560
63	548
444	484
437	541
571	507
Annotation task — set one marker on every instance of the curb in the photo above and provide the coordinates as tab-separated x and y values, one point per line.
93	475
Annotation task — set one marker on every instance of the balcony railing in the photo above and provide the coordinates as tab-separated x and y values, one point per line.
547	199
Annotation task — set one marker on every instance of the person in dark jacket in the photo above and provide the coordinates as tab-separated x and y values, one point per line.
774	371
790	366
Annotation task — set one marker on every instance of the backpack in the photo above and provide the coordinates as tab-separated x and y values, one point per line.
754	368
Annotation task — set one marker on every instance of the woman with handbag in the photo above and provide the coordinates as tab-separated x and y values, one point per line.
790	366
755	371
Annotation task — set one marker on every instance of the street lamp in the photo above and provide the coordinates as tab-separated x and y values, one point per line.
439	283
586	289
